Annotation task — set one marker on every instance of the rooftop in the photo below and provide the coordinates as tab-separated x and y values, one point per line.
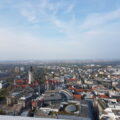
22	118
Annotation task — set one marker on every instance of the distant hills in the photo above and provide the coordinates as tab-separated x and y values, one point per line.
60	62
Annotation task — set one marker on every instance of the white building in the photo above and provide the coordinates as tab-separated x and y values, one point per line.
30	75
3	84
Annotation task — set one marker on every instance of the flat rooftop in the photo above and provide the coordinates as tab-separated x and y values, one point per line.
3	117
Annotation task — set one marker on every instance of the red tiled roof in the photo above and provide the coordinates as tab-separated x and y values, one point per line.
19	81
79	90
77	97
72	79
103	96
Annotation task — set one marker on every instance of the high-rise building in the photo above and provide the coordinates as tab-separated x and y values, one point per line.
30	75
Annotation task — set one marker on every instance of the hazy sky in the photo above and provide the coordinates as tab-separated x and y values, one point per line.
59	29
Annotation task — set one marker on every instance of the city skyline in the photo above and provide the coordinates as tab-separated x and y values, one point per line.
59	29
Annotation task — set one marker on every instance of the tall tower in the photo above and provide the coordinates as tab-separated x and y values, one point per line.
30	75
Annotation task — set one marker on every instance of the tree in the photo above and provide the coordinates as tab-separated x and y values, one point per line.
2	112
39	75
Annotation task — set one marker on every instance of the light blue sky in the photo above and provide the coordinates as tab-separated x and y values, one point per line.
59	29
